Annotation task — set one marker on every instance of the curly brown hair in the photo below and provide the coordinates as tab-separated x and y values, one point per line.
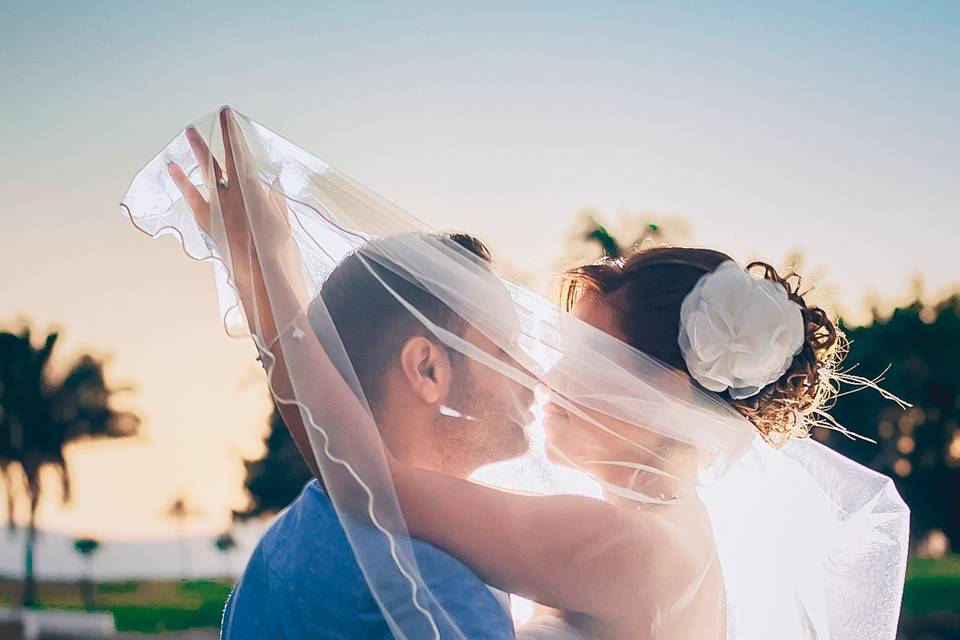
647	289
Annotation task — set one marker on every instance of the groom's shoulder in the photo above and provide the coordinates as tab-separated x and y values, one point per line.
302	580
308	541
309	528
311	508
306	554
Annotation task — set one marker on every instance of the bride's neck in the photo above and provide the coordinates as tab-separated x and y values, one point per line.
676	481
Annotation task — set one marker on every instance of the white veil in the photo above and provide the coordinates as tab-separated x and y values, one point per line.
803	543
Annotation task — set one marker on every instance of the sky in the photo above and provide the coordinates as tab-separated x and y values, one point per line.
769	128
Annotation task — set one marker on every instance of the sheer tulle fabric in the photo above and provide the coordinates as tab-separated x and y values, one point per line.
793	543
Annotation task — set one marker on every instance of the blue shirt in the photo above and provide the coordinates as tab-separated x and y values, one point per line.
303	582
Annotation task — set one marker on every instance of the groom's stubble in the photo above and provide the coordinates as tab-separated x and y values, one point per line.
487	424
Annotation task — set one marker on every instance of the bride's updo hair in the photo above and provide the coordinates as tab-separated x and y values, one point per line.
647	289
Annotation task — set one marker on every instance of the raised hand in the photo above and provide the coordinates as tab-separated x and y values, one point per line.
252	221
254	238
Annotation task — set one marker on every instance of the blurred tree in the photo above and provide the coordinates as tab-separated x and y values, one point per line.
87	547
277	478
225	544
609	247
40	416
919	447
592	239
181	511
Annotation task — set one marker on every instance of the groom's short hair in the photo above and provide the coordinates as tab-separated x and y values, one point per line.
371	322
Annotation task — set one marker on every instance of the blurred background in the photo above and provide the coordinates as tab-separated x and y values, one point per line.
140	455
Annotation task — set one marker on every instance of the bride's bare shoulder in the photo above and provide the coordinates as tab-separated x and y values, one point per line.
675	540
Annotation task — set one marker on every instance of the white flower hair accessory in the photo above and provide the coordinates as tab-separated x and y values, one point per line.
739	333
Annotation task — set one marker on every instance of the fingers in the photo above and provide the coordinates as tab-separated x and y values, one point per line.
231	137
199	206
204	158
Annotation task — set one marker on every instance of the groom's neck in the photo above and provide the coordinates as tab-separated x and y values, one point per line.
414	440
421	449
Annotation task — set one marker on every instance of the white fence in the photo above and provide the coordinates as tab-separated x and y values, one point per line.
17	624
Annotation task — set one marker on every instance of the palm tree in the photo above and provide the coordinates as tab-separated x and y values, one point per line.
599	234
591	238
181	511
87	547
632	232
40	416
225	544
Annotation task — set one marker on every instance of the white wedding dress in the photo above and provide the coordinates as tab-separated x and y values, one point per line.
543	627
548	627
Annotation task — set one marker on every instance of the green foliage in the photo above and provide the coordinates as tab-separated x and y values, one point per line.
195	604
203	589
149	619
225	542
119	587
918	447
86	546
277	478
40	416
640	231
143	607
608	244
932	585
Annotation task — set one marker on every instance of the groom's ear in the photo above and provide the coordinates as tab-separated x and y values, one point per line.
426	369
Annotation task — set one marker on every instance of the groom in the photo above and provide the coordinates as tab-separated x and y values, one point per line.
303	580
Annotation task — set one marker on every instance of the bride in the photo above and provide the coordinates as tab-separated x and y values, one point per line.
753	341
680	383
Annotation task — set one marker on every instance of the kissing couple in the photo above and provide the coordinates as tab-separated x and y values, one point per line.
633	458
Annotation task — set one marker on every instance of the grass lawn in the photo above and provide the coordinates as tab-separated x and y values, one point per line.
144	606
933	586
